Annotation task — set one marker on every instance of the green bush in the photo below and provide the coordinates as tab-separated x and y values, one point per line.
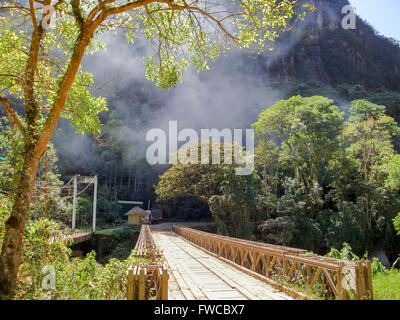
396	223
344	254
377	267
80	278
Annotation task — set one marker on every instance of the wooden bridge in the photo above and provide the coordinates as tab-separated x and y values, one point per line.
181	263
75	237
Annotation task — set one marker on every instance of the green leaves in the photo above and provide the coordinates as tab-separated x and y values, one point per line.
56	49
13	45
306	130
337	179
396	223
76	279
262	20
344	254
392	167
230	196
363	110
369	132
82	108
182	33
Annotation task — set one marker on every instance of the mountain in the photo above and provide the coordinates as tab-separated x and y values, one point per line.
318	48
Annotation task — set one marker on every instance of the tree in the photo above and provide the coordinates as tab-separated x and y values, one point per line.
46	198
370	133
114	152
230	197
296	138
267	161
306	130
326	180
42	67
363	187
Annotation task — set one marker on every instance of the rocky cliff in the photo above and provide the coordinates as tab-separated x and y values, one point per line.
318	48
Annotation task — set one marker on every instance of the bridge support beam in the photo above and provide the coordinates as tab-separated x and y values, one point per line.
94	203
85	180
74	202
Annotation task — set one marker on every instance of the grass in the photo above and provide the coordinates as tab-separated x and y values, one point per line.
108	232
387	285
117	231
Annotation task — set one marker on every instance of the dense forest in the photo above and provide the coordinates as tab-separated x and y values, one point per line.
321	179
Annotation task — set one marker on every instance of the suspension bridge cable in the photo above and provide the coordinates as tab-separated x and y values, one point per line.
84	189
66	185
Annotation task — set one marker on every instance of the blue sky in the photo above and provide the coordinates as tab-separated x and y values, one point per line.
384	15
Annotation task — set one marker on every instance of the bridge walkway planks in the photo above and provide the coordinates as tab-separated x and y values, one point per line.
196	275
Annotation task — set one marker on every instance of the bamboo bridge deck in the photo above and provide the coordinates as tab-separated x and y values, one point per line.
197	275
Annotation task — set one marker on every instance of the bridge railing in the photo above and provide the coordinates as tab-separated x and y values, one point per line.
148	279
278	264
76	236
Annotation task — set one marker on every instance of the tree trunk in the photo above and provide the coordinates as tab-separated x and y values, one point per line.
115	182
11	253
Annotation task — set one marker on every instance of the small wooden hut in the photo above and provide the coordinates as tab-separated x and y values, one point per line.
136	216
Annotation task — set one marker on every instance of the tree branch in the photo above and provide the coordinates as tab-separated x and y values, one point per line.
77	13
31	107
14	117
173	6
97	9
33	15
128	6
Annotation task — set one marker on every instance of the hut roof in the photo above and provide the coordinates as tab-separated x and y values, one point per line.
136	211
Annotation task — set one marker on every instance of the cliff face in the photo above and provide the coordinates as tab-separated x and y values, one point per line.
318	48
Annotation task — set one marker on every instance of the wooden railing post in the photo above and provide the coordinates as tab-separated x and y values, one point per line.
342	293
131	285
164	284
285	264
308	276
142	285
268	262
370	291
360	281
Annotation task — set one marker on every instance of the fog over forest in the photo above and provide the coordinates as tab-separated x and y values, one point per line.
229	95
